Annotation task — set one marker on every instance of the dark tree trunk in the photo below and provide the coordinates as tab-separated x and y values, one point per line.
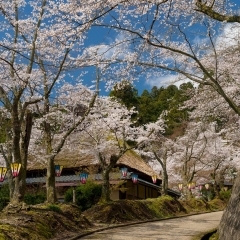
106	169
163	163
20	153
8	159
50	181
229	228
106	192
165	182
26	133
16	196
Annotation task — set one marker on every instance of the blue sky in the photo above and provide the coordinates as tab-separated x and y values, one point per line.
104	36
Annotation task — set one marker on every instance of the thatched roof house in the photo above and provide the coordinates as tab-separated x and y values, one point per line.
73	164
76	162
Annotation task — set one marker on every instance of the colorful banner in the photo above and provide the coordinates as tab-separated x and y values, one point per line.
15	167
58	170
3	172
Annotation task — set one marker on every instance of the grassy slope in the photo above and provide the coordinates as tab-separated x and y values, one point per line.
41	222
61	221
140	210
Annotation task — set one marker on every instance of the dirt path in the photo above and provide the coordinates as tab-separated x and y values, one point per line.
179	228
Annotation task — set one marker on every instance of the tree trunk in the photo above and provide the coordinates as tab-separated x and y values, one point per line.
8	160
16	196
74	196
26	135
10	182
106	169
163	163
189	193
50	181
230	222
164	182
105	197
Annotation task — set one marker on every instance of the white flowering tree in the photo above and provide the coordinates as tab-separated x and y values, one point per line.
52	128
195	40
190	151
39	42
158	150
109	134
192	39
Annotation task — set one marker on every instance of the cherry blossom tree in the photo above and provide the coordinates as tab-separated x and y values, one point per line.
215	159
39	42
219	161
191	149
163	156
55	125
17	72
218	11
156	148
109	134
223	134
184	38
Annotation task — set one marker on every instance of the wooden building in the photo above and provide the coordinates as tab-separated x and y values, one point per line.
122	187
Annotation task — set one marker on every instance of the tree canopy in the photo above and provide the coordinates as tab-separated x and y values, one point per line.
151	105
194	40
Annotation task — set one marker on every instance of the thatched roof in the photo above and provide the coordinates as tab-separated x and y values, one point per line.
72	159
134	161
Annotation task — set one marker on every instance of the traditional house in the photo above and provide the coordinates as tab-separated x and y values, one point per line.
140	181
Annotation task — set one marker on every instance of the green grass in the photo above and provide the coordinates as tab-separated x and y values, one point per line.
54	208
215	236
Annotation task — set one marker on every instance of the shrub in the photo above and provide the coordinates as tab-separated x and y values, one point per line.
32	199
208	195
4	196
54	208
86	195
225	195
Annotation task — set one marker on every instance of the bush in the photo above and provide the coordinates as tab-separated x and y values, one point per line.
208	195
225	195
54	208
4	196
86	195
32	199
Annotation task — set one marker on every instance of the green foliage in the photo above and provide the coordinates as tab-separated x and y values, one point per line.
86	195
215	236
225	195
162	206
209	194
4	196
126	94
54	208
152	208
4	128
32	199
151	105
168	99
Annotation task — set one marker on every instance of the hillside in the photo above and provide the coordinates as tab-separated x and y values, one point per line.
44	221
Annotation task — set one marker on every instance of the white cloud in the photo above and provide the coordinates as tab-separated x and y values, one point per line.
162	81
229	37
167	80
200	40
116	48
